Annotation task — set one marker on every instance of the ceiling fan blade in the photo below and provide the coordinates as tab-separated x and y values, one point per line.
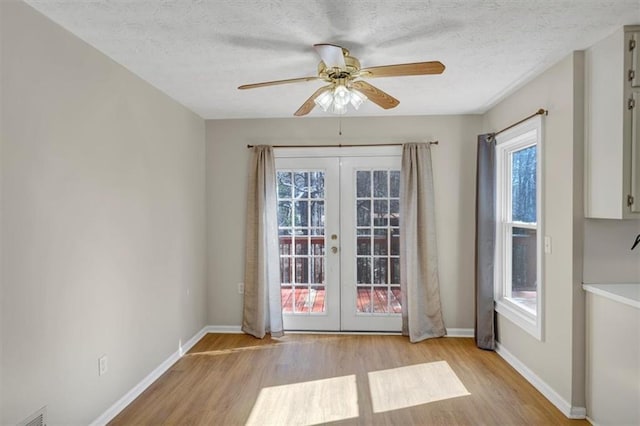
276	82
375	95
309	104
331	55
418	68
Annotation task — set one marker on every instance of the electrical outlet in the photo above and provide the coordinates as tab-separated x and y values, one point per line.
240	288
103	365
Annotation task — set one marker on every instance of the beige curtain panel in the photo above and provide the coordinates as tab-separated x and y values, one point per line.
421	308
262	311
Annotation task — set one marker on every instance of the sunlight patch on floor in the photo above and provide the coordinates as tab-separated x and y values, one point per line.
413	385
307	403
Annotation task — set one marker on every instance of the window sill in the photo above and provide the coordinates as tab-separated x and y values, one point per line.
520	317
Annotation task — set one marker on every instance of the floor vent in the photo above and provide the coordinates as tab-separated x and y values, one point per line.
39	418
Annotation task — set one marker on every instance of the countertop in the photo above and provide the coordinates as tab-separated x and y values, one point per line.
629	293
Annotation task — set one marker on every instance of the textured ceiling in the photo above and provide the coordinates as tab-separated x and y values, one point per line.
200	51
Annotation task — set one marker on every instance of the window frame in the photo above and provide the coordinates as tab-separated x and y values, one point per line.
517	138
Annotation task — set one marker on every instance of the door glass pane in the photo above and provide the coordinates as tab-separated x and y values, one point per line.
380	184
317	213
286	292
380	213
363	301
301	270
394	243
380	270
317	246
523	185
363	268
394	186
364	212
363	183
316	184
284	214
363	243
301	182
523	268
301	233
302	246
395	297
395	270
378	242
301	214
394	212
380	300
284	185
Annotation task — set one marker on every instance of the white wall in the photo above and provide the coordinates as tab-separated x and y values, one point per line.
608	257
102	223
454	181
559	358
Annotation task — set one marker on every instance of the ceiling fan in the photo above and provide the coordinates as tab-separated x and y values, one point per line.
342	72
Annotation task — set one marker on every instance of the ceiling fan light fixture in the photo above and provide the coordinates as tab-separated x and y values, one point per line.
338	109
338	99
341	96
325	100
357	99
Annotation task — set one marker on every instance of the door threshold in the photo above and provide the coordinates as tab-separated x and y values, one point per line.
356	333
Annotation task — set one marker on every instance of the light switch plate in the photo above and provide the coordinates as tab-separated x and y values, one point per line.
103	365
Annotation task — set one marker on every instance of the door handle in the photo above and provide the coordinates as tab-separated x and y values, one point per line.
334	249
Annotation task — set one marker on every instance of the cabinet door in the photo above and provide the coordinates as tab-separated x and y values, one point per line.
634	47
635	154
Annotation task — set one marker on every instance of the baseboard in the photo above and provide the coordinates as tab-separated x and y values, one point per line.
590	420
226	329
346	333
542	386
128	398
236	329
460	332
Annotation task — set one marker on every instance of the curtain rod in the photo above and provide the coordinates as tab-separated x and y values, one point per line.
340	145
538	112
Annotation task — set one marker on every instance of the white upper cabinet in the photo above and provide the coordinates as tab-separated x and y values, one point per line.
612	126
634	70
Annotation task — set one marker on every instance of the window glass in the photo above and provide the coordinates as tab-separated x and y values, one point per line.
523	185
523	267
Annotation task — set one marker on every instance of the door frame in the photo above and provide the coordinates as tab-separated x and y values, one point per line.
304	156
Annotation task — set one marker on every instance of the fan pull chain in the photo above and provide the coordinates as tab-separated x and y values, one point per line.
340	126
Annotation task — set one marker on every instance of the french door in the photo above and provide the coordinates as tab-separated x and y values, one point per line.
338	224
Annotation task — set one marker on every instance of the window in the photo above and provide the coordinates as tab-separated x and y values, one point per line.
518	269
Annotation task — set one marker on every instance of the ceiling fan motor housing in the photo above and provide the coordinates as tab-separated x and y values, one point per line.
351	71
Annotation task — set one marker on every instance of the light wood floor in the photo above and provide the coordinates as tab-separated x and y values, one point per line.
218	381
